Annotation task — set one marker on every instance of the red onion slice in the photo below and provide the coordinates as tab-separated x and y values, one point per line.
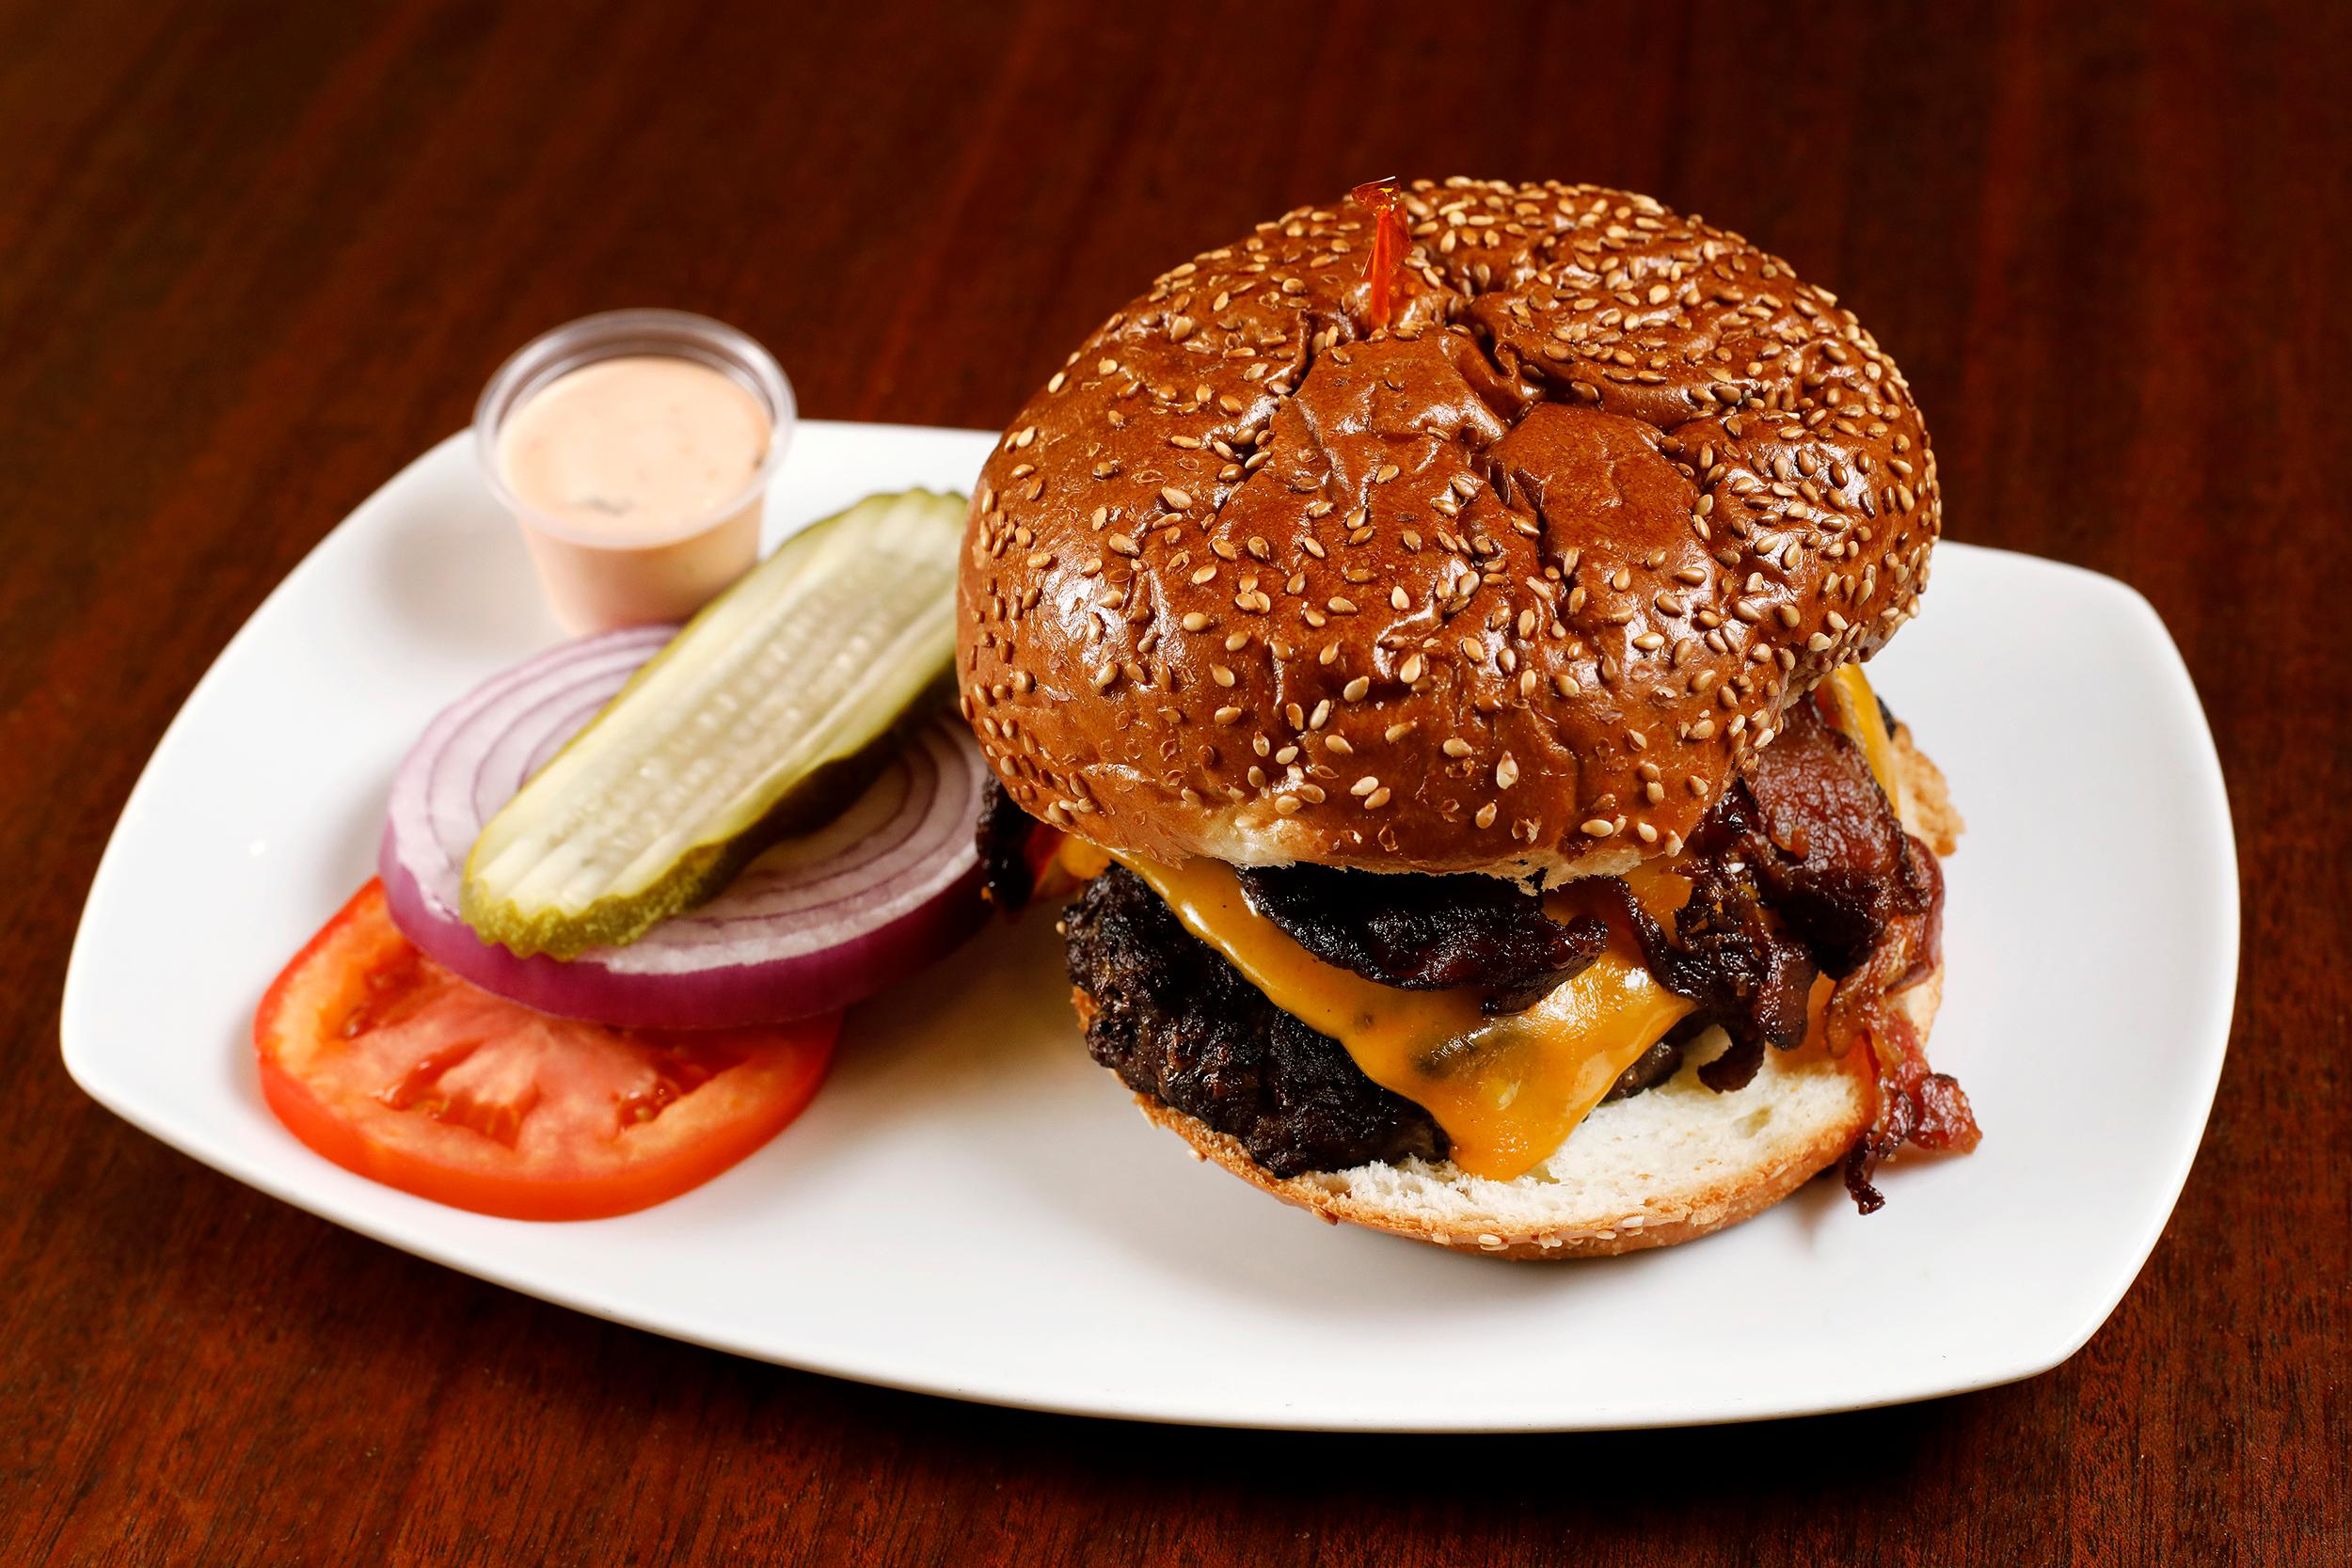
814	924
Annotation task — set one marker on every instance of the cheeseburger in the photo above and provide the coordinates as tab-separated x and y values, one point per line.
1427	634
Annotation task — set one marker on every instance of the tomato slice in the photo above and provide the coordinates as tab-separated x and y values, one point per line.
388	1065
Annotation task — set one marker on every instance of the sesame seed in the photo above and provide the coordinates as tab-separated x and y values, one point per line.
1507	773
1596	827
1364	786
1378	799
1354	690
1286	804
1228	715
1177	500
1410	670
1486	817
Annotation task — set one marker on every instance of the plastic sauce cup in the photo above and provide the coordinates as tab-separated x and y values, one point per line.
639	555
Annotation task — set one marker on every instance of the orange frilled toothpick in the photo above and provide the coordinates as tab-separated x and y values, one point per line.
1379	197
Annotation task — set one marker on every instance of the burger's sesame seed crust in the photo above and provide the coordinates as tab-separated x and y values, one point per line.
1611	489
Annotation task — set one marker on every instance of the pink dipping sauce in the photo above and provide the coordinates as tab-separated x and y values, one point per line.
639	475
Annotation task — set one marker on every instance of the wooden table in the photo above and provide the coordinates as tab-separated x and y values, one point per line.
254	257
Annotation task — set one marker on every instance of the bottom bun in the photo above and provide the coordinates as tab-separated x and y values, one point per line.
1670	1165
1666	1166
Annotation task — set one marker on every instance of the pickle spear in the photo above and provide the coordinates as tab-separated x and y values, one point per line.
762	715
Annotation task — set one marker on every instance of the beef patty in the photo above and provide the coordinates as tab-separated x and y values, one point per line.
1178	1022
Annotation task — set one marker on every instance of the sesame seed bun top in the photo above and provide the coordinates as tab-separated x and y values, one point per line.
1516	581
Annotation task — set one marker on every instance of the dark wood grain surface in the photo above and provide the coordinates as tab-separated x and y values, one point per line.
253	258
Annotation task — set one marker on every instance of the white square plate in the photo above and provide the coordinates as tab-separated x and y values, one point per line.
972	1207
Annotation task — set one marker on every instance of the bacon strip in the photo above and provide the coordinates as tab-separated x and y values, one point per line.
1803	863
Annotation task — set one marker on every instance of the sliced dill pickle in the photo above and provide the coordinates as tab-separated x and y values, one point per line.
763	716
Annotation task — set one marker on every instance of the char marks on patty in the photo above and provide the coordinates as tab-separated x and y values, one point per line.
1178	1022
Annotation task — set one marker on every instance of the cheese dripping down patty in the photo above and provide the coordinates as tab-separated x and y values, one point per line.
1507	1090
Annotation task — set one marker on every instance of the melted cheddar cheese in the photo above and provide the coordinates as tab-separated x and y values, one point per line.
1508	1091
1853	709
